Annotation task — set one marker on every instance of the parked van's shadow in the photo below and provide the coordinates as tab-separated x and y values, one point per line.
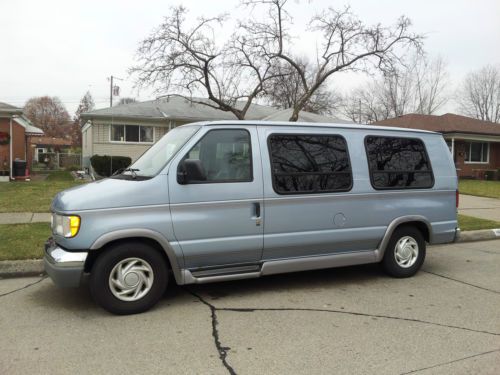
79	301
298	281
76	300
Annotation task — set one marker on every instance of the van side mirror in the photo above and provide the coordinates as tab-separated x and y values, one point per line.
191	171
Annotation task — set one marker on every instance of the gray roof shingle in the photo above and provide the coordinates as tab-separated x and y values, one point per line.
285	114
176	108
9	109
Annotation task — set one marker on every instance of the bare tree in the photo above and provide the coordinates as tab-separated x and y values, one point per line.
191	62
49	114
430	83
418	87
347	44
75	132
364	106
285	89
479	95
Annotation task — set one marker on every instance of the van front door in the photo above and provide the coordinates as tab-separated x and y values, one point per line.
216	209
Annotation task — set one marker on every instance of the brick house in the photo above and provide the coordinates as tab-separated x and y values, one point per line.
474	144
19	131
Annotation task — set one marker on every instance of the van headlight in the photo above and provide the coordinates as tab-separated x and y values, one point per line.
66	226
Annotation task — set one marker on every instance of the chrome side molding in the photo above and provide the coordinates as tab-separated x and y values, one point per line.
272	267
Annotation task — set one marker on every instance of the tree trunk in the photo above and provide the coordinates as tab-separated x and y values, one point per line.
295	114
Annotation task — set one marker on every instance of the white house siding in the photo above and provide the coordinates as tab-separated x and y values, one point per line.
160	131
87	143
96	141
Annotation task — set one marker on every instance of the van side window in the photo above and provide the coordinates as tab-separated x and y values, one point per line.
398	163
302	163
225	155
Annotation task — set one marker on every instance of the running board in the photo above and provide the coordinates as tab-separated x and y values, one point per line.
273	267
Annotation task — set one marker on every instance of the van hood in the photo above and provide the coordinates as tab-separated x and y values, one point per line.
113	193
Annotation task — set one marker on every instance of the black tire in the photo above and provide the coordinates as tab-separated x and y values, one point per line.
389	262
144	258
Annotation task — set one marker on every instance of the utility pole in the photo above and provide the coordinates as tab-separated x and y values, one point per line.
112	89
111	92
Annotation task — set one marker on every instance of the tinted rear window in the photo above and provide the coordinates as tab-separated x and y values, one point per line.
309	163
398	163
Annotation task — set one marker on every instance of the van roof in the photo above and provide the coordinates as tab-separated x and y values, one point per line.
312	125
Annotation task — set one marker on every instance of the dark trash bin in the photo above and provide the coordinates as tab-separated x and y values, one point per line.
19	168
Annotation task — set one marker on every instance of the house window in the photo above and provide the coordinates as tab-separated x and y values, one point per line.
398	163
305	163
477	152
39	153
132	133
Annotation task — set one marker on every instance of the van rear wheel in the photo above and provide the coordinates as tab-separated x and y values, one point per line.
129	278
405	252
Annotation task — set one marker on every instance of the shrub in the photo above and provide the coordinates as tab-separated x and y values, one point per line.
489	175
106	165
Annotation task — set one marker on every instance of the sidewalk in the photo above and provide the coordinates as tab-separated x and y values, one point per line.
24	217
483	208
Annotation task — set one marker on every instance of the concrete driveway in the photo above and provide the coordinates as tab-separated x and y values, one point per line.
445	320
483	208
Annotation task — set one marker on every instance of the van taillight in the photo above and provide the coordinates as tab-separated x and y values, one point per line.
457	198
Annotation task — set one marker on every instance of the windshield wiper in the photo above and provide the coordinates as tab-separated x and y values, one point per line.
123	170
132	171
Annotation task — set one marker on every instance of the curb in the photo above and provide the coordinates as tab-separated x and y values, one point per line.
479	235
34	267
21	268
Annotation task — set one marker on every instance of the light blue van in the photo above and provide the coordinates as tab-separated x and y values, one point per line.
226	200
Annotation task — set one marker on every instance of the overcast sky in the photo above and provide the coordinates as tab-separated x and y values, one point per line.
64	48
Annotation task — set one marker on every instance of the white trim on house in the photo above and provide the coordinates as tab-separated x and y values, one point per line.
478	162
124	134
87	125
472	137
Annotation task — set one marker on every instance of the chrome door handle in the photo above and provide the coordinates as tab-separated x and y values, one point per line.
258	219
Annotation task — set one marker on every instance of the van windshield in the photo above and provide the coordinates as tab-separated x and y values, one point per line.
154	159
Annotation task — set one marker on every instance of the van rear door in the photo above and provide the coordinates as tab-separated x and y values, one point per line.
307	177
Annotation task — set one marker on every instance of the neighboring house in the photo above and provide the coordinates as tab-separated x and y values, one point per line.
130	129
474	144
44	145
19	131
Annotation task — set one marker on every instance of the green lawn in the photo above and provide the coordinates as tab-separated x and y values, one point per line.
23	241
480	188
466	223
34	196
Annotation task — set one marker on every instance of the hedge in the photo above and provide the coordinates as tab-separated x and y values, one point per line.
106	165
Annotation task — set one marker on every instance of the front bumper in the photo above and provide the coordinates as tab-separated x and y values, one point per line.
65	268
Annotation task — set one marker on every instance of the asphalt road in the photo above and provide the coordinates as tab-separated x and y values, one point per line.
445	320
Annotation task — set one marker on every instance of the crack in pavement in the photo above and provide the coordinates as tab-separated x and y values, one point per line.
462	282
215	332
24	287
449	362
223	351
355	314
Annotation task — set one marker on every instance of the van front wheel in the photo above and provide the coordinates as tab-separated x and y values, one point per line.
405	252
129	278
